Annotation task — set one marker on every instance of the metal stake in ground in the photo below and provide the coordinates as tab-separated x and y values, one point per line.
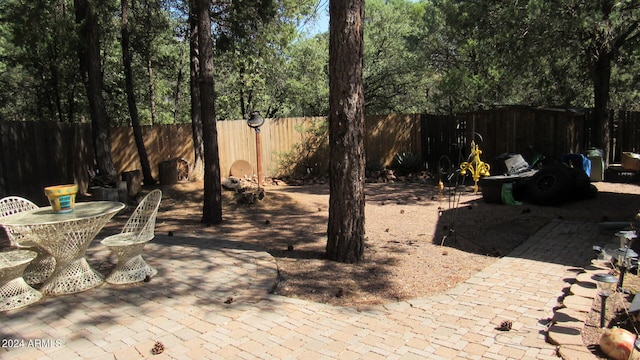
606	285
254	122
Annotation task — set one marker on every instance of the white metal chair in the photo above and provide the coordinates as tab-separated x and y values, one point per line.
128	245
44	264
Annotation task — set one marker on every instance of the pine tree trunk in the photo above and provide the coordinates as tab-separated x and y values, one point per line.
601	86
180	77
90	67
212	209
196	119
131	97
152	91
345	229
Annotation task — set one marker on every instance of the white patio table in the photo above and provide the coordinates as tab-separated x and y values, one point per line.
66	236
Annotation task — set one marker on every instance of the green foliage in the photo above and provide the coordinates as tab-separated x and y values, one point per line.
40	77
433	56
252	38
161	64
394	79
308	93
407	162
42	81
534	52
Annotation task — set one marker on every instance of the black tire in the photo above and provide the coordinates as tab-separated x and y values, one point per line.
591	193
551	185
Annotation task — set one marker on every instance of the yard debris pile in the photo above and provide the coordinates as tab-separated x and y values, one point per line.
246	190
102	180
108	187
544	183
385	175
389	175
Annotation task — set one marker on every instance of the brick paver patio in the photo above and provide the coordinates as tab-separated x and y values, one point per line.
211	299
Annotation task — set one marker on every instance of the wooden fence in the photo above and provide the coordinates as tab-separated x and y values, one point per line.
552	132
626	133
522	130
236	141
37	154
281	141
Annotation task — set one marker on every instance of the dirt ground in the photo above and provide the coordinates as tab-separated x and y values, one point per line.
616	315
419	241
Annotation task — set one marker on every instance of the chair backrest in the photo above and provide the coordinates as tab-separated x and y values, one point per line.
143	220
12	205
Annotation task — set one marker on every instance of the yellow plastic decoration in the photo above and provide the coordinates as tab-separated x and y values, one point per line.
476	166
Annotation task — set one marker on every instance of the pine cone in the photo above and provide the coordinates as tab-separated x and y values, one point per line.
505	325
158	348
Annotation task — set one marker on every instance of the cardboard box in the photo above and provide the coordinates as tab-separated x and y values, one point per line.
631	161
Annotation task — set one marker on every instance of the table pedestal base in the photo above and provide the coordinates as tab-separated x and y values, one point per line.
40	268
75	277
14	291
16	294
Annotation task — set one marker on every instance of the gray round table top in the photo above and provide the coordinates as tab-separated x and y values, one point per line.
46	215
